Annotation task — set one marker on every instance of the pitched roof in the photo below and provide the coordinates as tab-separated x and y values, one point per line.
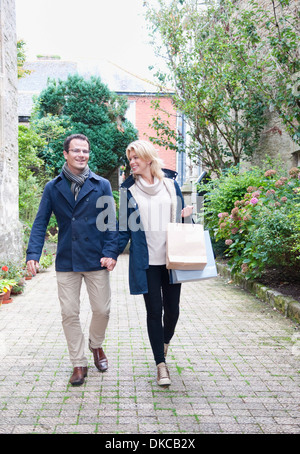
118	79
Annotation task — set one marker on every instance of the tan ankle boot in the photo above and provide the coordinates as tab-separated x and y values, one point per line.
163	376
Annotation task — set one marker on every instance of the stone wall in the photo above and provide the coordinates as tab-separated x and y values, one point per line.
275	142
10	228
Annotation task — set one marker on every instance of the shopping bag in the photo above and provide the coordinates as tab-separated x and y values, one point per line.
185	247
210	270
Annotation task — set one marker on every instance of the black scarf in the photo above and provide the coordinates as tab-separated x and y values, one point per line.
76	180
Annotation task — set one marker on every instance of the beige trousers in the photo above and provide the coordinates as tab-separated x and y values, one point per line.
98	288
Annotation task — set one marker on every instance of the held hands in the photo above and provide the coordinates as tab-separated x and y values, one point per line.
108	263
32	267
187	211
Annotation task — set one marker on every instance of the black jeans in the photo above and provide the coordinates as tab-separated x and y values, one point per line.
162	305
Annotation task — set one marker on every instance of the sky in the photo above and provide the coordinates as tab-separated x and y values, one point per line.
87	30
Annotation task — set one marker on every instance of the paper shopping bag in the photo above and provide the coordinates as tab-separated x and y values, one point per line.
210	270
185	248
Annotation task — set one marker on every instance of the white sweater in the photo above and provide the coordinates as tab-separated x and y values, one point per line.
154	203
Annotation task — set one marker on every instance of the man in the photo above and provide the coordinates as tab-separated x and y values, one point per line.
87	249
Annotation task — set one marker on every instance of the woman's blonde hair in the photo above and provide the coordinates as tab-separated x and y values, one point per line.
147	152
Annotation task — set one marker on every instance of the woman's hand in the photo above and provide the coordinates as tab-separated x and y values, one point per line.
108	263
187	211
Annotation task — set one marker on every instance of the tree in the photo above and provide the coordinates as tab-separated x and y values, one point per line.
278	27
30	175
213	89
21	57
222	74
88	107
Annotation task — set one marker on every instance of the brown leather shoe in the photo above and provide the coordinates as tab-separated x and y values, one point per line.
79	373
100	359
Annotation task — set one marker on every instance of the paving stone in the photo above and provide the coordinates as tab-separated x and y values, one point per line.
234	365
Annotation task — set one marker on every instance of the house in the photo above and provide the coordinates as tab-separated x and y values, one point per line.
139	92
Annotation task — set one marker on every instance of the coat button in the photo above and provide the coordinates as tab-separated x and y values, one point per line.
73	219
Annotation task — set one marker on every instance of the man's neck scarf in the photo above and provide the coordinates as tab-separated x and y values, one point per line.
76	180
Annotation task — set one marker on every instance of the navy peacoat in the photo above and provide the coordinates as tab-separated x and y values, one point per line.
87	227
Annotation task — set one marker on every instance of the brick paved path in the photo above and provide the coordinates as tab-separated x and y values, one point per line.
234	364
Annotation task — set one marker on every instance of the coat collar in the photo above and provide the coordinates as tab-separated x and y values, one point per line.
62	185
130	180
129	183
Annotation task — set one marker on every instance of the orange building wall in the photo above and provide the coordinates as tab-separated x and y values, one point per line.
143	119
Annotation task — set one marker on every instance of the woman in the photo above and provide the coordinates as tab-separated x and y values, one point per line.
151	198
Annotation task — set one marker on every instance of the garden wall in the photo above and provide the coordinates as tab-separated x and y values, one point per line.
10	228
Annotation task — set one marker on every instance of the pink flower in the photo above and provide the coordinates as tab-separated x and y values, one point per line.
280	182
228	242
244	268
254	200
270	172
294	172
234	230
283	199
222	215
234	212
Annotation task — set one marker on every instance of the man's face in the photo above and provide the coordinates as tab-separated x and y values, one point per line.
78	155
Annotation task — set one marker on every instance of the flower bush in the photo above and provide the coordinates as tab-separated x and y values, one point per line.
260	223
11	270
10	276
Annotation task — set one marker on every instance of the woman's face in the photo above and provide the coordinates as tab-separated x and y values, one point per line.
138	166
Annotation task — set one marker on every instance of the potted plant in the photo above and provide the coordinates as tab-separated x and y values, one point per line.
5	289
11	275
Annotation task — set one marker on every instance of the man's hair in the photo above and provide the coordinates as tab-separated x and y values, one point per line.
74	136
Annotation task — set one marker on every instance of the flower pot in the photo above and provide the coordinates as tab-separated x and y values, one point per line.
7	299
1	297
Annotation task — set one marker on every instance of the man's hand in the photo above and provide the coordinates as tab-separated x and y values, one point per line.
108	263
32	267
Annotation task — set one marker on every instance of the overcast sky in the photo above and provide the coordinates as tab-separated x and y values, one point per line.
86	30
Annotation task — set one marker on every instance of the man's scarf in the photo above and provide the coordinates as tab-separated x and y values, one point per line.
76	180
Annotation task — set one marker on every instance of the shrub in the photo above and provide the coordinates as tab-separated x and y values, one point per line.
261	228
